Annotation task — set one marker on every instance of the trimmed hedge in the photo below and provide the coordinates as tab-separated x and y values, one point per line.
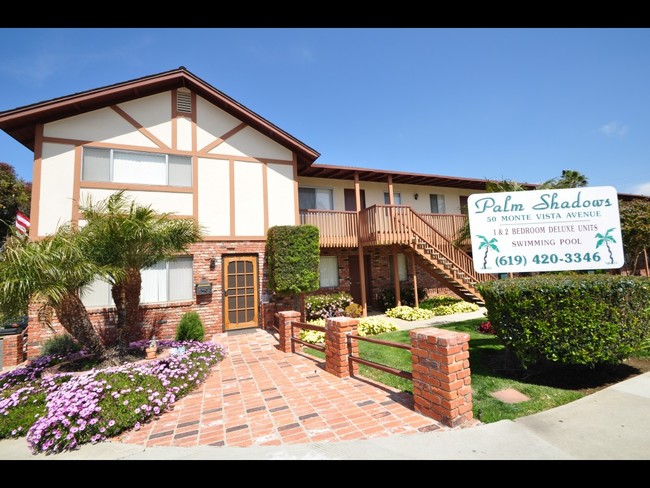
581	319
293	258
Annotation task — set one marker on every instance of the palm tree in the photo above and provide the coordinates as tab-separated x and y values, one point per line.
569	179
131	237
487	245
606	239
51	270
491	186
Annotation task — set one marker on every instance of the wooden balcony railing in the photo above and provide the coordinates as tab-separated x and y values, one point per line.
337	228
447	224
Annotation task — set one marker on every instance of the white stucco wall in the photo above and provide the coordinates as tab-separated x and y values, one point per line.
57	177
250	142
279	179
375	193
211	122
103	125
178	203
249	199
154	114
214	196
184	134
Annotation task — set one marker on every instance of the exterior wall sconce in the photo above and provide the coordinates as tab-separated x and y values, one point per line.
416	196
213	264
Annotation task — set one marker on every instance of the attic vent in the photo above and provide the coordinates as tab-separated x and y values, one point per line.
184	102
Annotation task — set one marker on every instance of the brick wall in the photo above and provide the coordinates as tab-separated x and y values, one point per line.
163	318
12	349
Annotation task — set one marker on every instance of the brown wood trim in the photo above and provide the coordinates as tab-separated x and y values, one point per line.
415	280
391	195
107	185
36	183
195	188
265	197
128	147
362	271
76	192
193	120
140	127
223	138
296	203
357	192
174	117
67	142
231	175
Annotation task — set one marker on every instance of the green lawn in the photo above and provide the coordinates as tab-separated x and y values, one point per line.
491	370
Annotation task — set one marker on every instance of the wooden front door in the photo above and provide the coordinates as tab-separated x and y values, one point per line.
351	199
355	278
240	301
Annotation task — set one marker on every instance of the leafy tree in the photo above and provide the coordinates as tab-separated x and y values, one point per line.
15	195
569	179
51	270
635	228
129	237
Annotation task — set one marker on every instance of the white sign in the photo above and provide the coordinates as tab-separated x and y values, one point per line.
546	230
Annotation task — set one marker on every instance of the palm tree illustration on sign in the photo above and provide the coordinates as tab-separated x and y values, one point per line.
487	245
606	239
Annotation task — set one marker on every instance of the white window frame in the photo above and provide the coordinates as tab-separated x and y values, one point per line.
439	198
111	163
109	300
330	259
318	188
396	196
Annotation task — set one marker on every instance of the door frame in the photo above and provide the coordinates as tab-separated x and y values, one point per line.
245	257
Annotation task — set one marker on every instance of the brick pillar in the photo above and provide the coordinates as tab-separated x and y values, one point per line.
336	345
12	350
441	375
284	328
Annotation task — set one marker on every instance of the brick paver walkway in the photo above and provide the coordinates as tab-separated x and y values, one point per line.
259	395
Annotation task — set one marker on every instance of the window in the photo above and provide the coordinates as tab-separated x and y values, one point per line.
463	204
401	267
169	281
437	203
329	271
397	197
315	198
136	167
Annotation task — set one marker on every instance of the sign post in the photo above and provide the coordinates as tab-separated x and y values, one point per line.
546	230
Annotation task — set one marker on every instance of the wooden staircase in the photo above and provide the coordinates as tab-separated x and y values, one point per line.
396	224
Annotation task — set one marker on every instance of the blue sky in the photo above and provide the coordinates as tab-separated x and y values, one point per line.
516	103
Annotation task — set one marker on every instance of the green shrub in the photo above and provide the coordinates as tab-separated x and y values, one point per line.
367	326
353	310
409	313
293	258
459	307
374	325
438	301
386	297
328	305
190	328
585	320
60	345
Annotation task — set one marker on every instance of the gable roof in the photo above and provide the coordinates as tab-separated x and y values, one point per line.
20	123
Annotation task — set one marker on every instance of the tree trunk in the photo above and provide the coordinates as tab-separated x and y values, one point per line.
118	292
74	318
132	288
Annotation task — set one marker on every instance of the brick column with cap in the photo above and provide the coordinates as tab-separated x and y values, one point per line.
336	346
284	328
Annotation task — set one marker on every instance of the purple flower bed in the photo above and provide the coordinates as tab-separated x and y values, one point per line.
65	410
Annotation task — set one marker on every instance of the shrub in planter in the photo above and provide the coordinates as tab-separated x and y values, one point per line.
409	313
354	310
438	301
581	319
328	305
190	328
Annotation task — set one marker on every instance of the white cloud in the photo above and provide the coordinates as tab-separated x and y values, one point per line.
614	129
642	189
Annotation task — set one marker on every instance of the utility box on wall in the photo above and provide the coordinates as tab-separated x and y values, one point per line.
203	287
